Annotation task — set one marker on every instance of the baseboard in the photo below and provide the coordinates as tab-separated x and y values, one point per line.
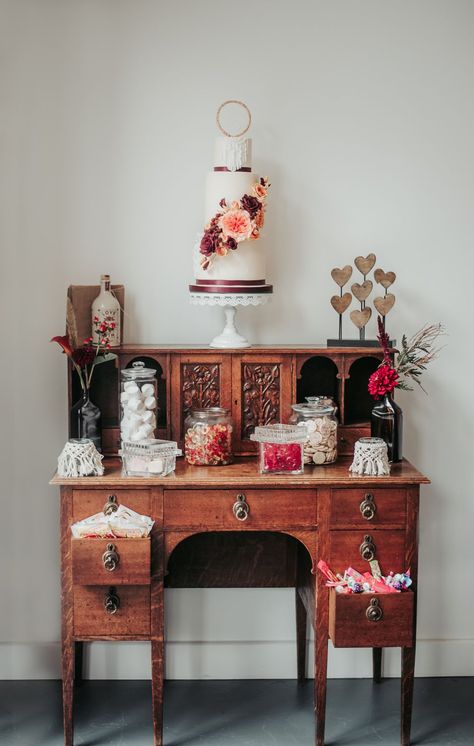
228	660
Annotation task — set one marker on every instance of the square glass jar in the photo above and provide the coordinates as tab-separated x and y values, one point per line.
280	448
150	458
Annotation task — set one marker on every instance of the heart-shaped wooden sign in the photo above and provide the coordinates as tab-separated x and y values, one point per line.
341	276
360	318
384	278
384	305
363	290
341	303
365	263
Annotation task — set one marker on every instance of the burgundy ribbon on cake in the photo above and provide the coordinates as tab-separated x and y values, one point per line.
224	168
224	283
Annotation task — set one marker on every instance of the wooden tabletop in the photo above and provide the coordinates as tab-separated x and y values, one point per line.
244	473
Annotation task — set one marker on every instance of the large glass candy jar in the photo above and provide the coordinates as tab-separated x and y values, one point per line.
208	437
318	416
139	405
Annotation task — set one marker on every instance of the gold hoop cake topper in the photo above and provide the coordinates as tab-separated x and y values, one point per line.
240	103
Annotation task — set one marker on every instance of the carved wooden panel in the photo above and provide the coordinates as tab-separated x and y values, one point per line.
261	395
200	386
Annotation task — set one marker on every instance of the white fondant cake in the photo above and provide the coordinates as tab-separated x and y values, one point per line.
231	252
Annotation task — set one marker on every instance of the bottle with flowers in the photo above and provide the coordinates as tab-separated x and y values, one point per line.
399	371
85	416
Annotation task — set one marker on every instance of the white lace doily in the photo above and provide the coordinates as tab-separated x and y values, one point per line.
370	458
230	299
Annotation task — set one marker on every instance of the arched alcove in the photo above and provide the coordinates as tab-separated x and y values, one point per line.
358	402
318	378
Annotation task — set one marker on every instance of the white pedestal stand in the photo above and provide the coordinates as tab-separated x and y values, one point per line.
229	338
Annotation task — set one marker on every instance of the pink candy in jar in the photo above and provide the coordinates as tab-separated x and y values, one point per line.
280	448
208	437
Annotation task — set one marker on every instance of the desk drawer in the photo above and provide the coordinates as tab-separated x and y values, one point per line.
111	561
371	620
347	548
368	507
89	502
132	617
215	508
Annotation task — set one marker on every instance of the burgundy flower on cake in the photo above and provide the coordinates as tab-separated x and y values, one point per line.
251	204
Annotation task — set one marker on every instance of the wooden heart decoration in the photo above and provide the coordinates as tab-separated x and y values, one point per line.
360	318
341	276
363	290
384	278
384	305
365	264
341	303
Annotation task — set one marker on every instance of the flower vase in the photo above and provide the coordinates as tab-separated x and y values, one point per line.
387	423
85	421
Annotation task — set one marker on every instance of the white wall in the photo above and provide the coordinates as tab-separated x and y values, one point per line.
363	114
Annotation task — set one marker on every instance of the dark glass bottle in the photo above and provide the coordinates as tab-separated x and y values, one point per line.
86	421
387	423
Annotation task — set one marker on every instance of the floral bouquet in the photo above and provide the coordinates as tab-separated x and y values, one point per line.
410	362
86	358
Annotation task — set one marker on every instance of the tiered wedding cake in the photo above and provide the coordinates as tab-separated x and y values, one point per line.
230	255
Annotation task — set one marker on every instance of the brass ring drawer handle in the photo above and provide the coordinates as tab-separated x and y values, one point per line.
111	506
368	507
110	558
111	601
374	611
241	508
367	548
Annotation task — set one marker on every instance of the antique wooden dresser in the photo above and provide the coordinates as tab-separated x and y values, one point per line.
233	527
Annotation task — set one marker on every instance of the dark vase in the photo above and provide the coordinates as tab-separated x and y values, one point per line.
387	423
85	421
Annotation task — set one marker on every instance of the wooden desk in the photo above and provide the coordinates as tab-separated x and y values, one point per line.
291	522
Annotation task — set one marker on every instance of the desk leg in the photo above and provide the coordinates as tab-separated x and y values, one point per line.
408	680
68	690
301	629
157	677
377	664
321	660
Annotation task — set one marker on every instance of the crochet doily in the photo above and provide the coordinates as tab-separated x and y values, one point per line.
370	458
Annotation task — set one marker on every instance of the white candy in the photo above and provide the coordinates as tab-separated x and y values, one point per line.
148	417
150	402
148	389
147	429
156	466
135	405
130	387
124	397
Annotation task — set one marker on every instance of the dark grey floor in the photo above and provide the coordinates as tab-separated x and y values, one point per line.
247	713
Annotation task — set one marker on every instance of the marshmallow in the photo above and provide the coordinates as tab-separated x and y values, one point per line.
148	389
130	387
150	402
156	466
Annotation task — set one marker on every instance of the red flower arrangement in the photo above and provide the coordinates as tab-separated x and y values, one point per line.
234	223
85	358
412	360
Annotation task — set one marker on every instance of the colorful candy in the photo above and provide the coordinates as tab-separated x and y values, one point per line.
208	445
356	582
282	457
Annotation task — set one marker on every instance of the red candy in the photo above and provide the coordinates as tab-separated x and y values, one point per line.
282	456
208	445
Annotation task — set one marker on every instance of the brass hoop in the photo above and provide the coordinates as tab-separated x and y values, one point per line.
219	110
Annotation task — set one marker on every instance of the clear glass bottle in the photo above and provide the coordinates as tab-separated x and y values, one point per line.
280	448
319	418
139	403
105	307
208	437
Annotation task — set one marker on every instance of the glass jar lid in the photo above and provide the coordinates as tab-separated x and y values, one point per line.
137	372
316	409
279	434
209	412
150	447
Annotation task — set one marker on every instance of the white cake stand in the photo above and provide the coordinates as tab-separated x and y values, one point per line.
229	338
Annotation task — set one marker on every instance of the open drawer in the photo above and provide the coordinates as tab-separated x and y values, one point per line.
111	561
371	620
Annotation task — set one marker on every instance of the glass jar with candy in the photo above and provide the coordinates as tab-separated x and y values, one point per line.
280	448
318	418
138	400
208	437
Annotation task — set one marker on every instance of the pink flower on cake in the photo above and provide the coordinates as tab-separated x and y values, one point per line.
236	223
260	192
221	250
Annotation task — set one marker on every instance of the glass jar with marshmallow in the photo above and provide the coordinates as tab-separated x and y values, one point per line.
139	403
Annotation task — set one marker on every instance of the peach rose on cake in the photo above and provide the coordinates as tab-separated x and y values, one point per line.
260	192
236	224
255	234
260	219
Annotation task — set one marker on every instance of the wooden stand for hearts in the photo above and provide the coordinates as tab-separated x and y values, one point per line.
361	291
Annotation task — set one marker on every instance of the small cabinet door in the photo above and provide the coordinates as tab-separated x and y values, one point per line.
262	394
198	381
